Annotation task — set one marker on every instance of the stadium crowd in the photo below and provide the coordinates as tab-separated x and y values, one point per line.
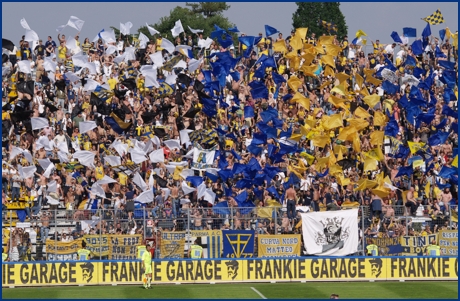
326	125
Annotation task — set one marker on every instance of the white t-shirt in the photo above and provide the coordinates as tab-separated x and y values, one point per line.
389	49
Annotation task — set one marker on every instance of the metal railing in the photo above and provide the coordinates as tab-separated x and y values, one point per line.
151	222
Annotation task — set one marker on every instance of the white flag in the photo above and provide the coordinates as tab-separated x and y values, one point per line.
90	85
184	137
86	126
126	28
202	159
85	158
52	201
31	36
195	30
150	78
108	36
205	43
62	146
137	179
137	155
143	40
106	180
28	156
76	23
97	190
63	157
80	60
187	173
52	186
157	156
44	163
130	54
71	44
166	44
171	79
6	70
43	141
145	197
201	190
49	65
111	49
177	29
72	77
152	30
157	59
113	160
330	233
210	196
172	144
49	170
39	123
26	172
187	189
15	151
24	24
193	65
24	66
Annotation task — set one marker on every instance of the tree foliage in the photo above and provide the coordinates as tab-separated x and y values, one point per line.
202	15
308	15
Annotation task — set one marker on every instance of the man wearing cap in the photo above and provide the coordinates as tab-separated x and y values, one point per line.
433	249
147	266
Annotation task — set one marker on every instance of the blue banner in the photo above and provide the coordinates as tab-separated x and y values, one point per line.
238	243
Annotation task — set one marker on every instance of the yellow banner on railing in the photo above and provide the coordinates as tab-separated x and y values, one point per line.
58	250
279	245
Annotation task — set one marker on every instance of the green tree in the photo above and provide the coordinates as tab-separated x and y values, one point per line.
308	15
202	15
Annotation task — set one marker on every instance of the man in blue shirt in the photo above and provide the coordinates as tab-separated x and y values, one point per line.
50	42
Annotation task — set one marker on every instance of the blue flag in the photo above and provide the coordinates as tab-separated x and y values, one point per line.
426	31
270	30
439	53
405	171
390	88
438	138
195	180
417	48
221	208
442	34
241	198
395	36
410	32
446	64
410	61
238	243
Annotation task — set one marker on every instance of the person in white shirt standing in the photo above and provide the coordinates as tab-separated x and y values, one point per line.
390	49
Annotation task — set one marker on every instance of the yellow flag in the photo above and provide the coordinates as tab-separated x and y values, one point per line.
332	122
339	89
364	91
296	137
309	70
372	100
368	72
321	140
337	102
301	32
294	82
360	33
308	58
340	149
381	191
328	60
123	178
359	124
361	113
455	162
364	41
342	77
343	181
332	160
414	146
356	142
448	33
380	119
376	138
319	49
295	62
310	159
296	42
427	189
326	83
295	171
326	40
363	184
280	46
339	155
417	163
370	164
455	40
305	129
322	163
334	168
373	80
177	171
328	71
359	80
265	212
333	50
347	133
302	100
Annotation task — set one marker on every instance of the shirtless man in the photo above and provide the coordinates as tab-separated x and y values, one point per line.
175	200
197	217
291	199
411	203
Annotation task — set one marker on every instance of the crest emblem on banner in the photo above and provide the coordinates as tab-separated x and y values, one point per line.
333	234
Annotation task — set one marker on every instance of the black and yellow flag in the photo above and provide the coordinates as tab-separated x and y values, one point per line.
434	18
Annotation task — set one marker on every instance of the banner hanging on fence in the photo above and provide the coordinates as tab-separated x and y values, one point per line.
279	245
416	245
172	245
387	246
98	245
330	233
448	241
209	240
124	247
58	250
238	244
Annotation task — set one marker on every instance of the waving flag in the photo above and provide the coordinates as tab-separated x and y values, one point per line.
270	30
435	18
410	32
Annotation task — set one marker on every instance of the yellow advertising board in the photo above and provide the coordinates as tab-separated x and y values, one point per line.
237	270
448	241
279	245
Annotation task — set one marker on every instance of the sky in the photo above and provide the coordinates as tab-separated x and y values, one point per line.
377	19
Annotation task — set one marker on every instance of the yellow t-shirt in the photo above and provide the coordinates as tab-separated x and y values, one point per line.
159	40
61	52
99	172
112	83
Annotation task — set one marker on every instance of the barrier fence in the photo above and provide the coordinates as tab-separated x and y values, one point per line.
236	270
110	234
